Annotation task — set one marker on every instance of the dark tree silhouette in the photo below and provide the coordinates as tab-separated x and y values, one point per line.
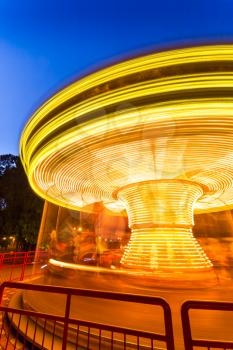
21	209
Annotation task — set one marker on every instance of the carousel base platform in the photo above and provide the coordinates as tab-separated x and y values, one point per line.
135	278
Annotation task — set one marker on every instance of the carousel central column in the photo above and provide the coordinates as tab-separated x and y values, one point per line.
160	216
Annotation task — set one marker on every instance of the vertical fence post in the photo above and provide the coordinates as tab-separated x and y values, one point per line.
12	266
168	326
24	266
187	336
1	260
2	287
66	322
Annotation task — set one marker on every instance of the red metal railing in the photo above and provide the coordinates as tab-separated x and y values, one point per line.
189	342
23	328
15	266
30	329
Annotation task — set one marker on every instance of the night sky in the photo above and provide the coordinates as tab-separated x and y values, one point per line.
46	44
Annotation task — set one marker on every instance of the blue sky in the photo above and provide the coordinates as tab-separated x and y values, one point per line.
46	44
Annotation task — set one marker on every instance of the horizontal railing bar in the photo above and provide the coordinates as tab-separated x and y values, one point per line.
62	319
31	313
117	329
88	293
208	305
212	343
84	323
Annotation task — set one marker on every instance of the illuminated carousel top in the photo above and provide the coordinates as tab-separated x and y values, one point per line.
164	116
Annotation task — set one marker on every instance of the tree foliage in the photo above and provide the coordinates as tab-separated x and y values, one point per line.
21	211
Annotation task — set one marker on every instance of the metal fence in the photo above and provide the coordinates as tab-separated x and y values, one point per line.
15	266
191	343
25	328
28	329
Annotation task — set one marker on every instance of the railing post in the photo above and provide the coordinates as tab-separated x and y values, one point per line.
2	287
12	266
66	322
168	327
24	266
187	336
1	261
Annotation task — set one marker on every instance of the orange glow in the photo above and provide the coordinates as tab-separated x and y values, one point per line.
161	218
152	137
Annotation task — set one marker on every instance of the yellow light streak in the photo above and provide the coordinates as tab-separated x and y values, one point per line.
162	120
